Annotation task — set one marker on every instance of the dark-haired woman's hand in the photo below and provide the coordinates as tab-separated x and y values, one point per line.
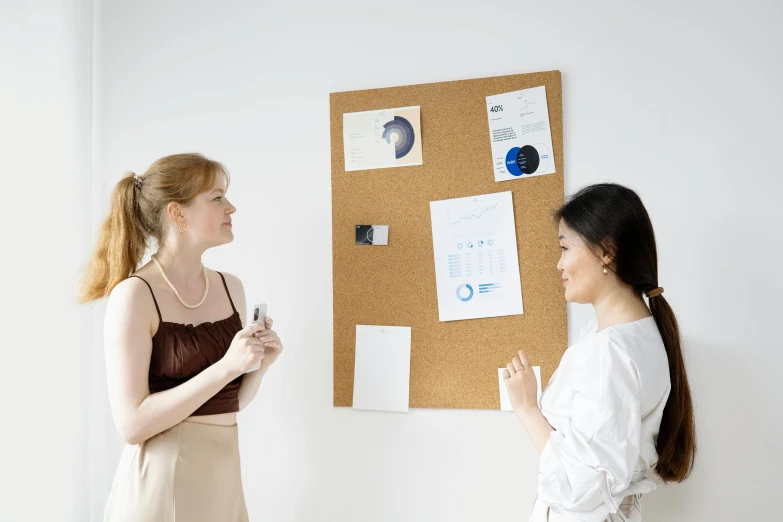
522	384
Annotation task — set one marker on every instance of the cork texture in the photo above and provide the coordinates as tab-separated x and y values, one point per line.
453	364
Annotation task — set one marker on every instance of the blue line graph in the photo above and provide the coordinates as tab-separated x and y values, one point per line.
472	216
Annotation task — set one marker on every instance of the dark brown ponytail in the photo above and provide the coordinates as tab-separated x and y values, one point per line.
676	443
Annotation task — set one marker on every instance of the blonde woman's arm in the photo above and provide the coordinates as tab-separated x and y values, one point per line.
251	382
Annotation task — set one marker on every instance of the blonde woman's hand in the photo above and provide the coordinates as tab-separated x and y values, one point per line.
244	352
270	343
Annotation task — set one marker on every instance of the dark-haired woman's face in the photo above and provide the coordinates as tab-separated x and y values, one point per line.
581	269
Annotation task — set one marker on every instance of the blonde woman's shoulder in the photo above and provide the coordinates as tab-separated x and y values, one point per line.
131	300
237	291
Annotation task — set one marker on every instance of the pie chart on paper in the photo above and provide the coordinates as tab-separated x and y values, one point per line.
400	132
528	159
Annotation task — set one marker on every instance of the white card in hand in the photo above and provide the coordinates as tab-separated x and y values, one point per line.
259	315
505	401
381	379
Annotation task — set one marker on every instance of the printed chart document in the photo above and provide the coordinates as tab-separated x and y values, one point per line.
505	401
383	138
520	134
476	263
382	370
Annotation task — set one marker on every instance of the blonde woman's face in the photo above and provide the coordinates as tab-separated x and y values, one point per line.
209	215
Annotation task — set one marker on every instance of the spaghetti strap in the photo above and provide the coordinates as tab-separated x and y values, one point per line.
160	317
227	292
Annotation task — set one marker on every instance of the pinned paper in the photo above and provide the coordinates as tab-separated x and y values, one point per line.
520	134
382	138
382	368
474	242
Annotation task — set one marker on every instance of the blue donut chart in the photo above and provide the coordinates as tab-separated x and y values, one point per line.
459	292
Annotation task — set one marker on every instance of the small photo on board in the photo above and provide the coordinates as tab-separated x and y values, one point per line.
372	235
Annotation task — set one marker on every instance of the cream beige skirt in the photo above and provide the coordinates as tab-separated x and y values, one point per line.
187	473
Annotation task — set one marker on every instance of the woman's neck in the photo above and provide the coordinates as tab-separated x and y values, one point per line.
184	269
619	305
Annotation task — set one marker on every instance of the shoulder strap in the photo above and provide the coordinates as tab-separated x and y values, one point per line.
160	317
227	292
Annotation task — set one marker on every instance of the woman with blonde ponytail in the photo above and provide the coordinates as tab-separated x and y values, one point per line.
180	359
619	405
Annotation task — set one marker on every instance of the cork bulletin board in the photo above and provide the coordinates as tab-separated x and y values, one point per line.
453	364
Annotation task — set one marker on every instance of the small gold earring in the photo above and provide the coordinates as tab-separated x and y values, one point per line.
182	227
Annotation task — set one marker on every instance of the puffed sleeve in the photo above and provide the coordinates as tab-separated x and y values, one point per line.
589	461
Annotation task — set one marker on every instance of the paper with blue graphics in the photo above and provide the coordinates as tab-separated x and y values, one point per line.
476	263
520	134
382	138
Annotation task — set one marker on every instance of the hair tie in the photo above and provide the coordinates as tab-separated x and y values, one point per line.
655	292
137	180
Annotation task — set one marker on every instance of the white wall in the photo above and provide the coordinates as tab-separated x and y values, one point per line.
679	100
45	115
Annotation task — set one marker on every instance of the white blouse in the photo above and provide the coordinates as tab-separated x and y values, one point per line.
605	402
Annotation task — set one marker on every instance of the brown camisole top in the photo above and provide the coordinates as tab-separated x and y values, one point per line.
182	351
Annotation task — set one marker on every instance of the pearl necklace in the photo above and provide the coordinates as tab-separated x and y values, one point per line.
186	305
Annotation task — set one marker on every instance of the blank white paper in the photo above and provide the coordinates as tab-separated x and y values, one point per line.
382	368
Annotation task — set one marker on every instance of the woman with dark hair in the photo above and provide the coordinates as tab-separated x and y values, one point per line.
619	403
